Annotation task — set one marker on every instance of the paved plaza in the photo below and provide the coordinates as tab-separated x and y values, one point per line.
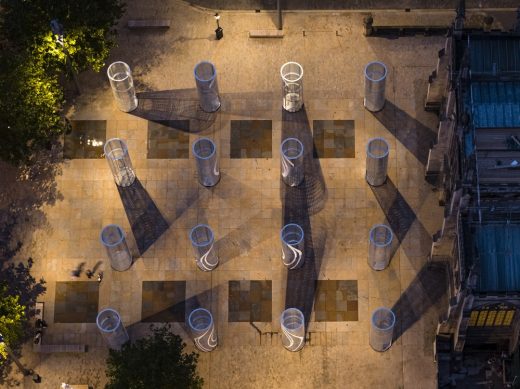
250	288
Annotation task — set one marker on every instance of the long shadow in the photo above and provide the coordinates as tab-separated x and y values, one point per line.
177	109
425	291
412	134
401	218
145	219
298	204
240	240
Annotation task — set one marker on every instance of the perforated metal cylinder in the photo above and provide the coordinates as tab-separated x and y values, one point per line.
292	322
292	86
293	243
377	161
375	80
122	84
116	154
205	153
207	87
382	329
203	330
380	246
114	239
203	242
109	323
291	161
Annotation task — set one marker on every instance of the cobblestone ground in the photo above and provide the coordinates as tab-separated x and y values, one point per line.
246	208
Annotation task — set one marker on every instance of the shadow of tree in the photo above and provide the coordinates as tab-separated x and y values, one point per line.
24	190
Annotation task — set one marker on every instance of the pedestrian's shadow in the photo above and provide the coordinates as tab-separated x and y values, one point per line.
178	109
145	219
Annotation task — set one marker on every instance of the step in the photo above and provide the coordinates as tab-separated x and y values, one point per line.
266	34
148	23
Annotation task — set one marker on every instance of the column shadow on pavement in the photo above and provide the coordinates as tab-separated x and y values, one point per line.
146	221
412	134
426	290
298	205
401	217
177	109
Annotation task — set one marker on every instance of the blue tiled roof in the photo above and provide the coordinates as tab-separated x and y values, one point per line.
495	54
496	104
498	248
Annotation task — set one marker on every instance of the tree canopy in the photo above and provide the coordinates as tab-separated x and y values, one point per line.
18	294
158	361
33	60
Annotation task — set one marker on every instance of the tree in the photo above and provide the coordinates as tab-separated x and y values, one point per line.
12	318
157	361
18	294
30	105
87	28
33	60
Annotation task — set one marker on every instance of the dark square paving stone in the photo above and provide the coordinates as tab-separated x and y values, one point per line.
334	139
163	301
336	300
76	302
251	139
85	140
250	301
168	139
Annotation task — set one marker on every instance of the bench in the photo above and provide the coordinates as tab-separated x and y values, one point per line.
148	23
61	348
266	34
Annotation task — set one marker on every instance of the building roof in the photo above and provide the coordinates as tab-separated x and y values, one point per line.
496	104
498	255
494	54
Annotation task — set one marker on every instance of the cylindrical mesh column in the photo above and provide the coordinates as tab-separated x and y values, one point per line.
293	329
109	323
113	238
116	154
382	329
375	79
292	86
205	153
377	161
207	87
292	245
380	246
291	161
122	84
203	242
203	330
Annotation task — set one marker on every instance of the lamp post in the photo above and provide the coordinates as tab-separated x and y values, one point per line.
219	32
57	30
23	370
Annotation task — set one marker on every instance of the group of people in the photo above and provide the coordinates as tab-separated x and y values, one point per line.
76	273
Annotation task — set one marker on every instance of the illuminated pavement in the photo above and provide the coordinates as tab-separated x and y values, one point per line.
246	209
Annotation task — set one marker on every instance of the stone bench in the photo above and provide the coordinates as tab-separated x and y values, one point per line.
266	34
61	348
148	23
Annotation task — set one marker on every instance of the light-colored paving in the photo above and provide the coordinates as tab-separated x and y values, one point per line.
246	205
